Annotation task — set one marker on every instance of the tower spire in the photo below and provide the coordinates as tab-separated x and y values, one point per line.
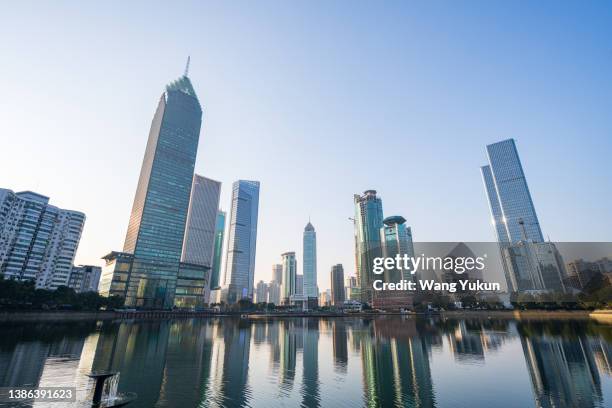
187	66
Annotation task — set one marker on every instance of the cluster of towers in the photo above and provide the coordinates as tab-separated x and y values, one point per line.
173	248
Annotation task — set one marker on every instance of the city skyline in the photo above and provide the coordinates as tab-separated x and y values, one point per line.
553	122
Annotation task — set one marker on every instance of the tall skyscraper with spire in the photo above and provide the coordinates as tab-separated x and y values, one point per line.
310	262
154	240
239	276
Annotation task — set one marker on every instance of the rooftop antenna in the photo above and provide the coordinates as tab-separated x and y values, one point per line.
187	66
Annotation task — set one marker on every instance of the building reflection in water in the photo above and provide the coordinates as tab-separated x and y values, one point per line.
230	368
395	363
138	352
310	364
340	345
288	352
563	372
205	362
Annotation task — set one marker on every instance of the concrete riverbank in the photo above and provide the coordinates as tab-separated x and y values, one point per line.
604	316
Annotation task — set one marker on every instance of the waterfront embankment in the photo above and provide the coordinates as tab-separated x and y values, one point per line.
603	316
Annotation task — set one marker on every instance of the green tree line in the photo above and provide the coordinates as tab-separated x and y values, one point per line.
17	295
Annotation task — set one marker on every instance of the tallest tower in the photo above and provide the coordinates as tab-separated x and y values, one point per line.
310	262
512	209
157	223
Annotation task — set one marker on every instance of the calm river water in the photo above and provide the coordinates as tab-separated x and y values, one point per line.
310	362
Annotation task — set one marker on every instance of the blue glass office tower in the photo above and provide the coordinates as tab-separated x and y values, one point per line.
513	216
368	222
242	241
218	250
510	202
310	261
159	213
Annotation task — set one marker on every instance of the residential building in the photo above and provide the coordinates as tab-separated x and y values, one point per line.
277	273
242	241
325	298
352	289
85	278
261	292
274	292
38	241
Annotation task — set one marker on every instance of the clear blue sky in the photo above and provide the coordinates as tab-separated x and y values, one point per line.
318	100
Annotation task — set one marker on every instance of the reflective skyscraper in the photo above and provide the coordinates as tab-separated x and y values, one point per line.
510	202
368	222
242	240
337	285
396	239
198	246
218	250
310	261
289	277
157	224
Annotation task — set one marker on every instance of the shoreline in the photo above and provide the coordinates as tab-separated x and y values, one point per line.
602	316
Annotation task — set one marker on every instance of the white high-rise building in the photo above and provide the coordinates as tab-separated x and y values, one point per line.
277	273
310	261
289	276
199	241
261	293
38	241
274	289
200	229
85	278
239	276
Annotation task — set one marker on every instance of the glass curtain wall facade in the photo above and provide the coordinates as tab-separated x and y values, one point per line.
159	213
289	277
396	239
218	250
368	222
198	245
512	211
509	198
337	285
310	261
242	240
